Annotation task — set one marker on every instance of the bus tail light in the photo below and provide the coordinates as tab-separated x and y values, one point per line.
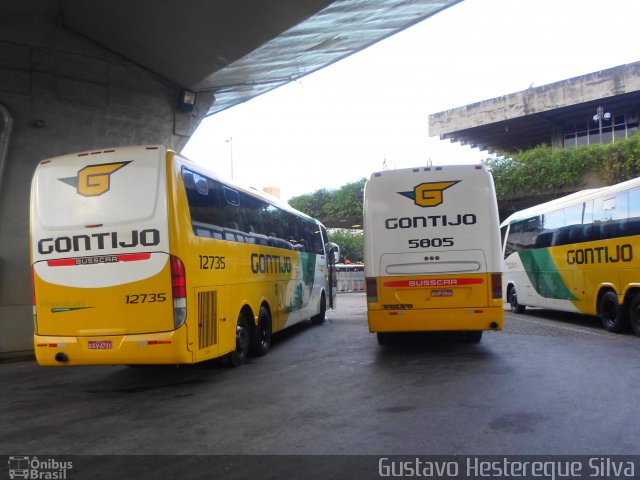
496	285
33	299
372	290
179	290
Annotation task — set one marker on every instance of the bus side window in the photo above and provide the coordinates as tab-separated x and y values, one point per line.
544	239
530	230
232	215
252	212
563	236
316	236
273	220
633	223
514	239
575	234
590	232
204	204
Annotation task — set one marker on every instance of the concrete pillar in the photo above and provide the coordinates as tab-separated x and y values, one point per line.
66	94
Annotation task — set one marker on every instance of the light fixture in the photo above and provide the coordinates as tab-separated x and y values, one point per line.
598	118
601	115
187	100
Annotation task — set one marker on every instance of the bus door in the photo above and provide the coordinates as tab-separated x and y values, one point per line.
333	257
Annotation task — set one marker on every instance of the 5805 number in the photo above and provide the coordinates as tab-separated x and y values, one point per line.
431	242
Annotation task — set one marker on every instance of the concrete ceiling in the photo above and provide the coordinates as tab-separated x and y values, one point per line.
236	48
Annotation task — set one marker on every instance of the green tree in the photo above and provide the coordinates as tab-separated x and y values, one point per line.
543	169
350	242
341	207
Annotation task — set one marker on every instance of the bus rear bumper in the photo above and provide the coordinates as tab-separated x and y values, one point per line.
139	349
426	320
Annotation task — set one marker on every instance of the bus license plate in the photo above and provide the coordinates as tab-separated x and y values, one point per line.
442	293
100	345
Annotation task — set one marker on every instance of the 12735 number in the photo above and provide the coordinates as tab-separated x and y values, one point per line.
212	262
146	298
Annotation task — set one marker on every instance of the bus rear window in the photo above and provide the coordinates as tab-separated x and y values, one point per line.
74	195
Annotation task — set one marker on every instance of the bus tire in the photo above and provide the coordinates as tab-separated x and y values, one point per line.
239	355
610	313
261	334
384	338
474	336
634	314
319	318
513	301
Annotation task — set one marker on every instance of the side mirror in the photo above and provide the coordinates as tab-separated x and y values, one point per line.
333	249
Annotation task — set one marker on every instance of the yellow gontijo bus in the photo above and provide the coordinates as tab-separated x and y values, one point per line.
142	257
432	251
579	253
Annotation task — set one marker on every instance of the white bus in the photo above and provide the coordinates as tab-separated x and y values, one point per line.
140	256
432	251
578	253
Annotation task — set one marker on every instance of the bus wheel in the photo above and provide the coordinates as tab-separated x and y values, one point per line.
319	318
384	338
261	334
610	314
513	301
474	336
634	314
239	355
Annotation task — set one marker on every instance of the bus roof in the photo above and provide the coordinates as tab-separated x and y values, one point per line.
568	200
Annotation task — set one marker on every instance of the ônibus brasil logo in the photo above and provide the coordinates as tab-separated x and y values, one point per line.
428	194
94	180
38	468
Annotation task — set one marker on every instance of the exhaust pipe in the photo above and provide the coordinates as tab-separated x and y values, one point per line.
61	357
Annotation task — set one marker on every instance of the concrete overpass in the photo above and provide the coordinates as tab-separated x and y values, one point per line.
560	114
84	74
600	107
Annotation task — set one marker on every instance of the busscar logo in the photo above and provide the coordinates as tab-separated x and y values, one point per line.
94	180
428	194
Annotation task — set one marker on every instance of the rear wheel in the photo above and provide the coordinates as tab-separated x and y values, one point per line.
319	318
634	314
384	338
610	313
261	334
513	301
239	355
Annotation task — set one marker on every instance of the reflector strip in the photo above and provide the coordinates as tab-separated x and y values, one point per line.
72	262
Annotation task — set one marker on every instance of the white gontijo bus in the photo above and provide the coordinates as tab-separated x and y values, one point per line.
432	251
578	253
140	256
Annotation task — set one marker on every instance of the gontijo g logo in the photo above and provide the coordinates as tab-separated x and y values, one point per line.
428	194
94	180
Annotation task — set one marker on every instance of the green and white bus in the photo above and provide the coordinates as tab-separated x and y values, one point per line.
579	253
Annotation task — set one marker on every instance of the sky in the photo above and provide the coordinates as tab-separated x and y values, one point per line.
370	111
